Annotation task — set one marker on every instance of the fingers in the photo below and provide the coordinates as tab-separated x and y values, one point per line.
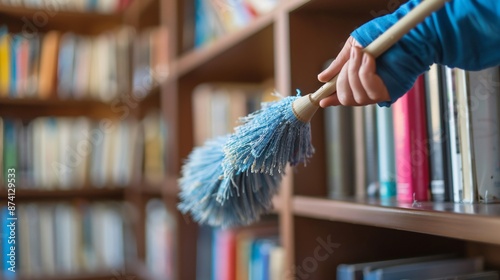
358	83
338	63
372	83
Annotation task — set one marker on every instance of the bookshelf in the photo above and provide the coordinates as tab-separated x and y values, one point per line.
290	44
141	16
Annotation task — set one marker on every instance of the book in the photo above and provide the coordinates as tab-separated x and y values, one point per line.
455	149
15	43
160	245
277	263
487	275
470	191
371	161
359	153
426	270
10	143
48	65
155	147
484	90
441	179
339	146
22	61
356	271
66	65
410	137
386	155
33	66
204	259
5	49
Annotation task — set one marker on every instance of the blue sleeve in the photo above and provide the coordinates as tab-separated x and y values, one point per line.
463	34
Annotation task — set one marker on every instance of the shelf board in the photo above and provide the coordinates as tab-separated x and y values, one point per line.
29	108
478	222
32	20
23	11
213	51
105	275
58	194
354	6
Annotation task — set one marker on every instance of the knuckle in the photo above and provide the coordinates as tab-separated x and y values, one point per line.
361	99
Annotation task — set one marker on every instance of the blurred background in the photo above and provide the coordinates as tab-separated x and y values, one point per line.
89	128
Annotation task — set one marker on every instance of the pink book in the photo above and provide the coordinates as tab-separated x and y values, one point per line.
22	68
410	138
226	257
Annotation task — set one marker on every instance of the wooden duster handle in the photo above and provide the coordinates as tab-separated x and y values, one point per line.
305	107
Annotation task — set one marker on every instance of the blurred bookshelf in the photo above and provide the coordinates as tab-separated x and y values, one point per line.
171	76
82	92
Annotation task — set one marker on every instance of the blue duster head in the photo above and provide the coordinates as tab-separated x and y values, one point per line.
269	139
219	200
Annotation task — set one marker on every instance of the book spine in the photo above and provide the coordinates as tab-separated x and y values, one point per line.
470	191
386	158
359	152
338	128
455	157
437	131
411	149
371	163
484	90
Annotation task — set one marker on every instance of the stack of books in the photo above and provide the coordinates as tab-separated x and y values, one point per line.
438	142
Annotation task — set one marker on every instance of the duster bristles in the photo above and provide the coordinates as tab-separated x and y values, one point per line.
268	140
216	200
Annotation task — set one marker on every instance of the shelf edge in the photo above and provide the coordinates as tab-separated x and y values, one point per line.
453	225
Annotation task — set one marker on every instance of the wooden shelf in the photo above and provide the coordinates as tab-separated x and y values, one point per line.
29	108
23	11
32	21
23	194
105	275
223	57
352	6
479	222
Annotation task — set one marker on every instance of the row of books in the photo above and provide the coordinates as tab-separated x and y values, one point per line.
218	106
100	6
66	153
67	65
440	141
251	253
426	267
66	239
214	19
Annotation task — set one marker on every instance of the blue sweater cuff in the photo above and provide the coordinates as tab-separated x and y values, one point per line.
463	34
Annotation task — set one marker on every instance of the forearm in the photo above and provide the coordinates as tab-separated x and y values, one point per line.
464	34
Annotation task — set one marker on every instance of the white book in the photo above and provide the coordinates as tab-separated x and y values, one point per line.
112	235
47	237
81	149
160	228
83	61
456	160
63	232
484	91
466	140
63	167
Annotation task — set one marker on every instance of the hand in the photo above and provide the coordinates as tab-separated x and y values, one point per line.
358	84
